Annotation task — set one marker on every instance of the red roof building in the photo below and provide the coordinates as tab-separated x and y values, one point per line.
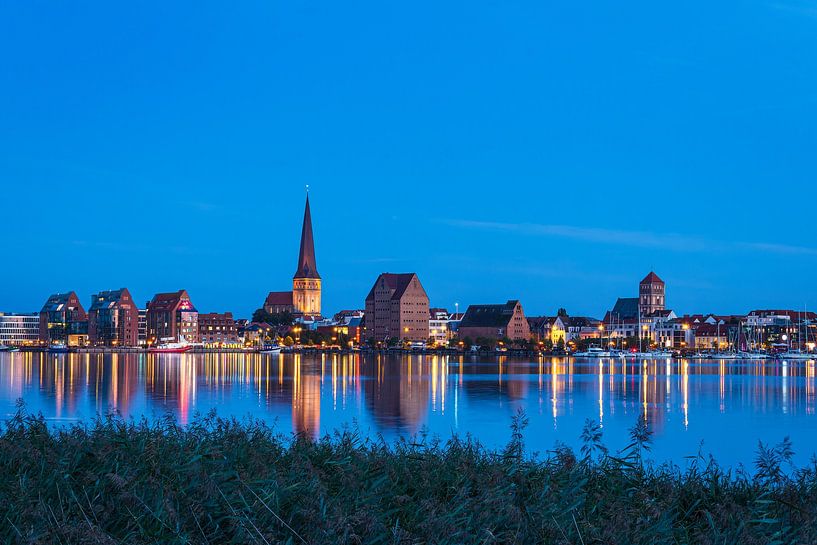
278	302
172	317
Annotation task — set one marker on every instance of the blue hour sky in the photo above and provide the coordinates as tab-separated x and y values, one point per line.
551	152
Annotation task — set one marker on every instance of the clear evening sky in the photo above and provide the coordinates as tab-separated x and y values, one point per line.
551	152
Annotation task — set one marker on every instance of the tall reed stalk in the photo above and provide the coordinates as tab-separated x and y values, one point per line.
229	481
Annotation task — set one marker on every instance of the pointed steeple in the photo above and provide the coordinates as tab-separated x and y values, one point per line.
307	267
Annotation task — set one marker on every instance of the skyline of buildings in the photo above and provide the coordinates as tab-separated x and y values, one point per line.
397	308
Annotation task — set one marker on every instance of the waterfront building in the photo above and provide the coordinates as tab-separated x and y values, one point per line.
712	337
791	328
438	331
575	328
218	330
540	327
63	320
341	333
348	323
19	329
306	283
673	333
255	333
172	317
113	319
651	294
142	328
495	322
397	308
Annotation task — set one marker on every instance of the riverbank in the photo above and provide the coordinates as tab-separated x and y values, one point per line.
217	481
307	349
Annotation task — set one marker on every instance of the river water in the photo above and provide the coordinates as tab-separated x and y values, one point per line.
719	408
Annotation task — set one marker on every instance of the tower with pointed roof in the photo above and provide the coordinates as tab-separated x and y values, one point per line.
306	284
651	294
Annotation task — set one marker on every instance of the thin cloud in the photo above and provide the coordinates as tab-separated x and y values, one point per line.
780	248
638	239
808	9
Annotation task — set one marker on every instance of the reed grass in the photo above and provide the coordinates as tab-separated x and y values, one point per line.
229	481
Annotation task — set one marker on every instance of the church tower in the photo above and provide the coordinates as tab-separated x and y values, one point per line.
651	292
306	284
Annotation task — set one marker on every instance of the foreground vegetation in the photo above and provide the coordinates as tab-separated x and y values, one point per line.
219	481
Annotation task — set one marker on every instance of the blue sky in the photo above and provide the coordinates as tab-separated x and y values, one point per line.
552	152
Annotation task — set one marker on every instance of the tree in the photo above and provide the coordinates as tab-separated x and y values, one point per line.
561	312
486	342
288	341
279	318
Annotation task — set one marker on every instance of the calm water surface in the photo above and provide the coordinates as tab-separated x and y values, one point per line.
724	406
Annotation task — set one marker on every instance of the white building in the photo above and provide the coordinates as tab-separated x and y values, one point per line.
143	327
438	329
19	329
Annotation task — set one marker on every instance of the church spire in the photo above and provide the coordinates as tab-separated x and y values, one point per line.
307	267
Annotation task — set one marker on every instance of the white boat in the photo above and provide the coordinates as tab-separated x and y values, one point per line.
271	349
654	355
171	347
594	352
754	355
797	355
726	356
699	356
58	348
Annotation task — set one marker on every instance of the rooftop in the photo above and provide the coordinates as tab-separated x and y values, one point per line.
652	278
398	282
489	315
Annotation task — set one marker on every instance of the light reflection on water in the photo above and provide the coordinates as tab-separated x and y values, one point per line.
728	406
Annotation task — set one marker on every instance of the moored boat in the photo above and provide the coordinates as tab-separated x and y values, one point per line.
594	352
797	355
753	355
58	348
271	349
726	356
171	348
654	355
